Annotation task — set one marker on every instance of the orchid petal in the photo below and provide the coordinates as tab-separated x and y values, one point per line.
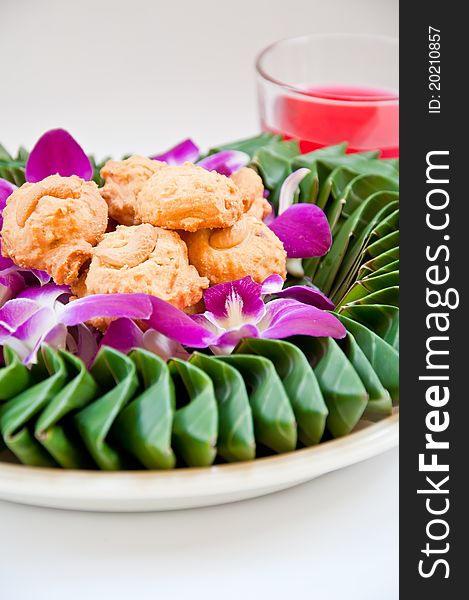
287	317
235	301
10	284
182	152
289	187
14	313
41	276
35	327
304	231
87	344
46	295
56	338
57	152
163	346
272	285
123	335
175	324
307	295
225	162
228	341
135	306
6	189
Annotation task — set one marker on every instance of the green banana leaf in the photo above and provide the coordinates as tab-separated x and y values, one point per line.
382	356
17	415
249	145
330	271
380	318
309	186
391	267
345	395
382	245
144	426
363	186
195	426
14	376
350	265
274	420
236	440
54	427
379	400
116	375
376	263
273	162
299	382
369	285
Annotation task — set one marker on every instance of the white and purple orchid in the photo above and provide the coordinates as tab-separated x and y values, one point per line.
39	315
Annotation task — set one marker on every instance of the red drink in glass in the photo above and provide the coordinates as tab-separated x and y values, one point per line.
362	111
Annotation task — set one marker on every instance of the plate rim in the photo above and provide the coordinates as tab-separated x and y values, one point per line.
67	488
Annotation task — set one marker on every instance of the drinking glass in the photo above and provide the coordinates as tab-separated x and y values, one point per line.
330	88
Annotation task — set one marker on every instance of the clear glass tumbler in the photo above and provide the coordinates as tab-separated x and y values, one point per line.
330	88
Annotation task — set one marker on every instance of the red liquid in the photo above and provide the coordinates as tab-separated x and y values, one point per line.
365	118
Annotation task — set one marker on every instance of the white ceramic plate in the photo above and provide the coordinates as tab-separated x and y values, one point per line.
189	488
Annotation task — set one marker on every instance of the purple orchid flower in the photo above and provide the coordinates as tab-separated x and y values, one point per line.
124	335
303	228
182	152
225	162
56	151
38	315
236	310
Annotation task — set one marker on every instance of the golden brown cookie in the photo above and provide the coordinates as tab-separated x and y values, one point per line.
190	198
53	224
123	180
252	190
145	259
249	247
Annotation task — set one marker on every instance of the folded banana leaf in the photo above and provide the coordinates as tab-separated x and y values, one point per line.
273	162
379	400
274	420
344	393
14	376
353	258
382	356
17	415
195	426
349	240
390	267
367	286
54	428
236	440
116	376
375	263
249	145
299	382
363	186
380	318
309	186
144	426
388	242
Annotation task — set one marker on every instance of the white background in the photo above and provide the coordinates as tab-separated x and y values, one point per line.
138	75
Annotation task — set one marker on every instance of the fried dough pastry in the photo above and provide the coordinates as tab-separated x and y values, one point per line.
123	181
190	198
252	191
52	225
249	247
145	259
